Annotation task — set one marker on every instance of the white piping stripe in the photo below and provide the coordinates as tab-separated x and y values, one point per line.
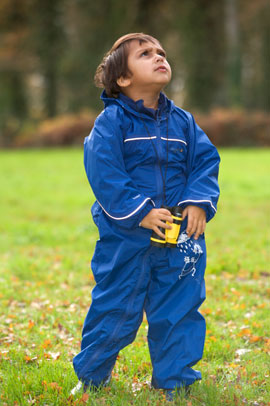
173	139
129	215
140	138
198	201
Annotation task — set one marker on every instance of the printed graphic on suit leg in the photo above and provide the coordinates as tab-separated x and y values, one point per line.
192	251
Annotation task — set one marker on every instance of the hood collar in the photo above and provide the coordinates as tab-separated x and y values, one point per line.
137	107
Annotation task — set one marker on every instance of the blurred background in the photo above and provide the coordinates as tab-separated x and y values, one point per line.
49	50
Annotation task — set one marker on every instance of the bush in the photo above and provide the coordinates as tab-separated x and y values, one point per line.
236	128
63	130
228	128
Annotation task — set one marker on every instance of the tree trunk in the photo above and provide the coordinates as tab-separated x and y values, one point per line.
233	54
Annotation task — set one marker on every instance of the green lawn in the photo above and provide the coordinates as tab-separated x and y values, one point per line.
46	242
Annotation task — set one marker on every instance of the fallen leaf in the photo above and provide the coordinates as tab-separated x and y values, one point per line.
254	339
244	332
255	324
242	306
29	359
136	386
206	311
85	397
54	355
235	292
55	386
232	365
262	305
241	351
30	324
46	343
227	275
265	274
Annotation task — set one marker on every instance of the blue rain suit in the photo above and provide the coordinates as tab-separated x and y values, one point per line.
124	155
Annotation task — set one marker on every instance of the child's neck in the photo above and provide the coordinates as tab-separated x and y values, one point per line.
150	100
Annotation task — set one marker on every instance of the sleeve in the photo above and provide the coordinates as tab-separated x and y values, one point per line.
112	186
201	188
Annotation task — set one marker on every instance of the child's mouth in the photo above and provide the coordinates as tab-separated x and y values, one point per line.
162	69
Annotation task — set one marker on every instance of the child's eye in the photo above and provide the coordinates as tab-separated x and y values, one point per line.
162	54
144	53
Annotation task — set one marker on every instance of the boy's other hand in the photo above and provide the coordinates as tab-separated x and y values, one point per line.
156	218
196	220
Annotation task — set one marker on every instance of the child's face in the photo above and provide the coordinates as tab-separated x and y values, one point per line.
148	65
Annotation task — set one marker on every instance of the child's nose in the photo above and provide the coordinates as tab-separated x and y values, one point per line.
159	57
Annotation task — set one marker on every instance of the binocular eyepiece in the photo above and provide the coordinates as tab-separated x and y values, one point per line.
171	236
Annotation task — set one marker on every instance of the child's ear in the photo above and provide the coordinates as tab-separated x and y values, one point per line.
123	81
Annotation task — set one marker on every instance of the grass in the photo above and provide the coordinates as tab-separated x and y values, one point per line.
46	242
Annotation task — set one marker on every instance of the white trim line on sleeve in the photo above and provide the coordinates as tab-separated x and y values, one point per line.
173	139
139	138
198	201
129	215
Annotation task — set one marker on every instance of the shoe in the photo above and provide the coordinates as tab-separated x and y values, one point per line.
171	394
83	387
78	388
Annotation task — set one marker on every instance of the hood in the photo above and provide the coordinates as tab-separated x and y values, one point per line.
137	108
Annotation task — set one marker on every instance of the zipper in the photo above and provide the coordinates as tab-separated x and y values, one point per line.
158	166
161	188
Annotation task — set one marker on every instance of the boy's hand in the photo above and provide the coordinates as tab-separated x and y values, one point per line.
155	218
196	220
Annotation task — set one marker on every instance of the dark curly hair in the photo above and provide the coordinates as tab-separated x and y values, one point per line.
115	62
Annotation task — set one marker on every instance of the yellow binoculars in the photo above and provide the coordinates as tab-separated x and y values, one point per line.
171	236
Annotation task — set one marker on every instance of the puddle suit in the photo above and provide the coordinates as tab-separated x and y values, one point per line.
124	155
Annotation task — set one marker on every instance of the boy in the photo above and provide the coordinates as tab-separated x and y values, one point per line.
144	153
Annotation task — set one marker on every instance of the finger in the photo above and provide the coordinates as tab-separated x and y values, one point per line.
190	225
158	232
197	233
203	226
166	218
159	223
163	225
164	211
200	229
193	227
184	214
